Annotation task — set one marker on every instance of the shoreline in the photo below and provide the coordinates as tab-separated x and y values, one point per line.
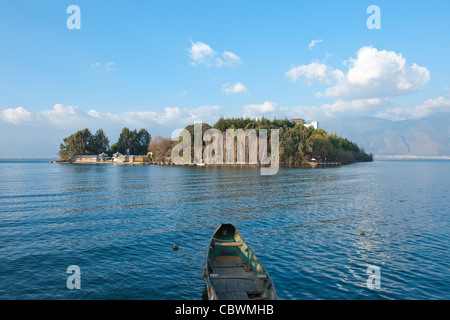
409	157
309	164
303	165
375	157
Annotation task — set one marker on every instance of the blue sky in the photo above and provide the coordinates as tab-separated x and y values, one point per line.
163	64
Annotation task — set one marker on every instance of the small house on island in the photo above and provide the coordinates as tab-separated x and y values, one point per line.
84	159
298	121
103	157
314	124
120	158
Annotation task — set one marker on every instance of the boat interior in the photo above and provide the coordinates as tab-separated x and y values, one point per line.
235	273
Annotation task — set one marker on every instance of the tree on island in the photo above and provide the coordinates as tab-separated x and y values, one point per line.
299	144
83	142
136	142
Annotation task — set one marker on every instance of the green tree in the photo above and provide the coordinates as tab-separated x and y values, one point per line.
99	142
83	142
134	141
143	139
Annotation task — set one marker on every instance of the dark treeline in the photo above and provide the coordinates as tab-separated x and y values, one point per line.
83	142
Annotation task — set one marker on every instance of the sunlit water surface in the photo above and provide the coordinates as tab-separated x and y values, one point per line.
118	223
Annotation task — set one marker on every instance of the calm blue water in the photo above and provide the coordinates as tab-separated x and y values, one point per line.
119	223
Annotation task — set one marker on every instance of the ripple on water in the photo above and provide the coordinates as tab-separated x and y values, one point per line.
119	223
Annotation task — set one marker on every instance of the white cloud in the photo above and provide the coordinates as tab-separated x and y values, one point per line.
59	116
235	88
207	113
313	72
202	53
171	116
381	108
60	110
379	74
258	110
62	115
313	43
94	114
338	109
372	74
229	59
425	109
16	116
356	107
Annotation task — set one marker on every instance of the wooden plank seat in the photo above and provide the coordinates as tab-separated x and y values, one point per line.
227	262
232	282
228	244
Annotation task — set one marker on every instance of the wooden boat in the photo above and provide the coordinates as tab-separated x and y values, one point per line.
232	271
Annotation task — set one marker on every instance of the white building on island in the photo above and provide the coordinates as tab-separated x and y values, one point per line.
314	124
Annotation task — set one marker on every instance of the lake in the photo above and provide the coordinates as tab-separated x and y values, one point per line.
118	223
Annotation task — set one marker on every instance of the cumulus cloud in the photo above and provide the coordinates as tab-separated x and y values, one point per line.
16	115
202	53
235	88
313	43
379	74
372	74
314	72
62	115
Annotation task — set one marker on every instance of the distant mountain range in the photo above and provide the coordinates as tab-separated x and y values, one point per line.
426	137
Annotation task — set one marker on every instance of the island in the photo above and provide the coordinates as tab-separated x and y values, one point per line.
300	144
